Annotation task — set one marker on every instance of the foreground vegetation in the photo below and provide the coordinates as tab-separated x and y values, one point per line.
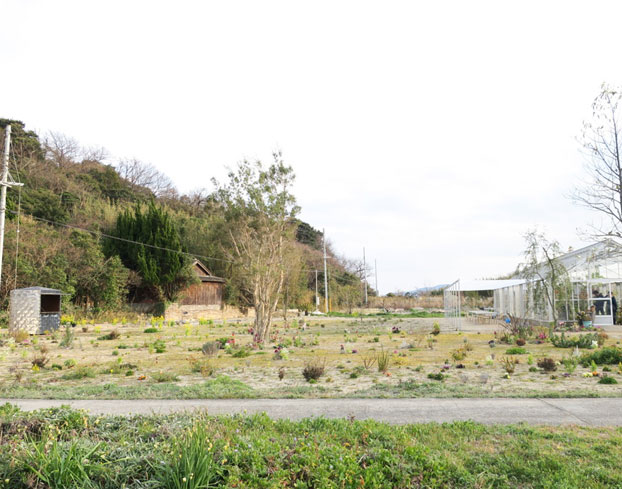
64	448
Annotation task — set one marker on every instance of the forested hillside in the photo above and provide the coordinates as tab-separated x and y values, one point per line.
80	216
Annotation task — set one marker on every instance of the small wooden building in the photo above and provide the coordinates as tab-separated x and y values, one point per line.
207	292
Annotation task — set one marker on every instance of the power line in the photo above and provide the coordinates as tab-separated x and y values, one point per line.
131	241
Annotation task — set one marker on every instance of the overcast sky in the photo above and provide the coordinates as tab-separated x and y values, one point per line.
432	133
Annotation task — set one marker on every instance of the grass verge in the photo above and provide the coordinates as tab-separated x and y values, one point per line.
68	448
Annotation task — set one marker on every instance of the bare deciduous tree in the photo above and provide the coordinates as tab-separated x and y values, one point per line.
601	140
547	277
62	150
146	175
259	212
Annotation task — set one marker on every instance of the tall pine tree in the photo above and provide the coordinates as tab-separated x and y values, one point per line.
163	272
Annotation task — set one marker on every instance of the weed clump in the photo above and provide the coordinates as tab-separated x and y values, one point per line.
68	337
314	370
164	377
509	364
204	367
113	335
210	348
436	329
40	360
383	358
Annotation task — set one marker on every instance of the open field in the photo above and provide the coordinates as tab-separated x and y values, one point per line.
164	360
68	448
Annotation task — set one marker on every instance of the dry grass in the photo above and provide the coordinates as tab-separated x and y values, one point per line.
410	358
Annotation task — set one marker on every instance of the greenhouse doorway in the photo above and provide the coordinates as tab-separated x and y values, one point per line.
600	298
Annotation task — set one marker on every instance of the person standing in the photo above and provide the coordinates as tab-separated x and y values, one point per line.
614	308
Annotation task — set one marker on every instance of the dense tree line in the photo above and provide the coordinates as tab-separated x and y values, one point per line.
75	203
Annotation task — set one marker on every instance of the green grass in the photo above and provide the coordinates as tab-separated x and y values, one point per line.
66	448
221	387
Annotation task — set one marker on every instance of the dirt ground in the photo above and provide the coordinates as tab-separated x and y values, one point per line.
343	345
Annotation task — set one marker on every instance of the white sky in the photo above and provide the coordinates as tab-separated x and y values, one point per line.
432	133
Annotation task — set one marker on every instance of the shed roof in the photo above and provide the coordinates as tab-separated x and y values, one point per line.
206	276
44	290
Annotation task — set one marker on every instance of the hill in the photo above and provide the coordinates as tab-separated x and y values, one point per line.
69	209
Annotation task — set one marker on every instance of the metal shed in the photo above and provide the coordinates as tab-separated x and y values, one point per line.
35	309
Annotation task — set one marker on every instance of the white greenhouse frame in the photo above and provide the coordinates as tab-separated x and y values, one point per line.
594	275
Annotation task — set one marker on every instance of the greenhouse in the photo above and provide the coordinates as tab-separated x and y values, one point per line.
592	277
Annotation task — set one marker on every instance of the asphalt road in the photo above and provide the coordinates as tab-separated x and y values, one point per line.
586	412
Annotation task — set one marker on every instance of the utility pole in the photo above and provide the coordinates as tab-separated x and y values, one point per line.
325	271
317	297
365	275
5	182
376	273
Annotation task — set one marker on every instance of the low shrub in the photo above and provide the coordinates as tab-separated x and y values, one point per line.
70	363
611	355
210	348
437	376
241	353
79	373
19	335
151	330
164	377
459	354
520	342
517	350
314	370
570	364
581	341
547	364
159	346
607	380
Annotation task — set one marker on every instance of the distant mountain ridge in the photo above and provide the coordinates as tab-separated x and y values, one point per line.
425	290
